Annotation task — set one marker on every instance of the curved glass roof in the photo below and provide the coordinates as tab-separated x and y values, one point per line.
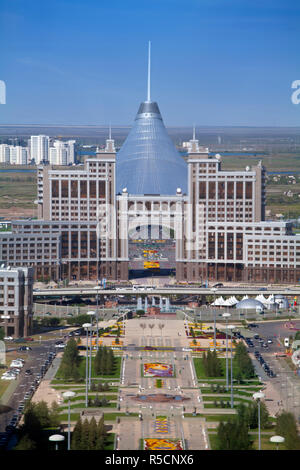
249	303
148	162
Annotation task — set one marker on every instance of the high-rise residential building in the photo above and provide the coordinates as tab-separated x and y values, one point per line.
39	148
18	155
16	300
4	153
62	153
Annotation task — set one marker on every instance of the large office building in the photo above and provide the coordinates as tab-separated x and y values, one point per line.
16	301
150	208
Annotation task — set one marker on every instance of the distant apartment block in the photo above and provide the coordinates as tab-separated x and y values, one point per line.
13	154
62	153
39	148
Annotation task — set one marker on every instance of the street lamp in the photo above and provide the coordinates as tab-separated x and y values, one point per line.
91	314
226	316
231	327
56	438
277	440
86	326
258	397
214	289
69	395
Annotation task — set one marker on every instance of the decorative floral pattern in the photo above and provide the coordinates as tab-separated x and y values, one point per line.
161	425
163	444
158	370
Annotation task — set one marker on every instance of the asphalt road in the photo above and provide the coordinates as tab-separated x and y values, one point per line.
35	359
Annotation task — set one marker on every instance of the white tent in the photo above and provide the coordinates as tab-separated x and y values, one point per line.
218	302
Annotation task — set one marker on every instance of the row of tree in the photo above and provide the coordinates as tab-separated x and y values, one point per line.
37	418
243	366
88	435
234	434
104	363
212	364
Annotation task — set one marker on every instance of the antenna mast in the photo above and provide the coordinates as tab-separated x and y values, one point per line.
149	72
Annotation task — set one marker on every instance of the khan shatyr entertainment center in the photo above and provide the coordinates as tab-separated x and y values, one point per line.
149	208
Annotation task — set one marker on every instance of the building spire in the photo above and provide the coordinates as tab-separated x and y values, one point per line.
149	73
194	132
109	132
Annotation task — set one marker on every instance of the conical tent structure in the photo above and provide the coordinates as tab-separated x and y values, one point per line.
148	162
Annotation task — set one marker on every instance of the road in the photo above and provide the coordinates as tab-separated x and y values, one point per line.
35	359
88	291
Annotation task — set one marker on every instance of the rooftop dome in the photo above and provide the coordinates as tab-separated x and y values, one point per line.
250	304
148	162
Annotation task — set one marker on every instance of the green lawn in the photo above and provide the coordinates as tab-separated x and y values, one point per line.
82	370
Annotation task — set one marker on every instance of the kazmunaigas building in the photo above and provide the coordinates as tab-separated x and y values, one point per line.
94	221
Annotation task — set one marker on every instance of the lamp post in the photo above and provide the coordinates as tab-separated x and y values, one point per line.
214	289
258	397
90	314
86	326
69	395
231	327
277	440
226	316
56	438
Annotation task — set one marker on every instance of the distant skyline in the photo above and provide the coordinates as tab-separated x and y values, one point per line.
214	62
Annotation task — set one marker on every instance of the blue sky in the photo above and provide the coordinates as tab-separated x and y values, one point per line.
214	62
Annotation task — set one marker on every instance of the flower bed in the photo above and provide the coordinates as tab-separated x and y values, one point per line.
158	370
163	444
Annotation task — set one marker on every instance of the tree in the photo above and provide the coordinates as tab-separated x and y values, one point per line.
2	333
70	361
26	443
233	435
161	326
76	436
93	434
140	313
151	326
242	362
286	427
85	435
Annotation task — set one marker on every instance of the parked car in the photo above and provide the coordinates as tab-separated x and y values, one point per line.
8	338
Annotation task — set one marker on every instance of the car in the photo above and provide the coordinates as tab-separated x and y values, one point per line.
29	339
253	325
270	341
264	345
219	284
28	372
8	338
60	346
